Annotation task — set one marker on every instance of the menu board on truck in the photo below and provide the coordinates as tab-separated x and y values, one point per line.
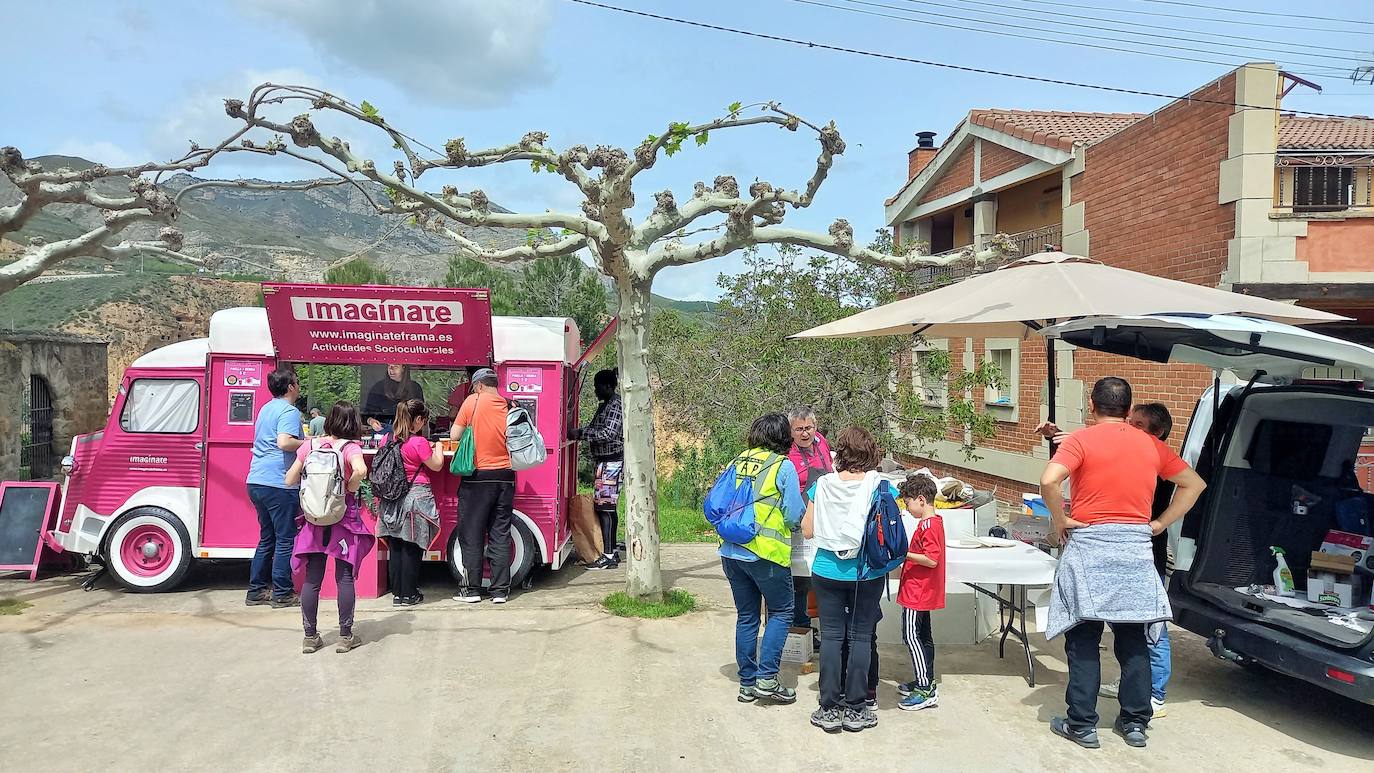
379	325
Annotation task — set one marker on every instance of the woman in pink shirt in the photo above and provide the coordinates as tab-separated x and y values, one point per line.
411	523
348	541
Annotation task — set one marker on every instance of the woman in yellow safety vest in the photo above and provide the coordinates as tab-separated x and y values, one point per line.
762	568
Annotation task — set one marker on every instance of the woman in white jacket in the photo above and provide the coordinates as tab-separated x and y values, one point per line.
848	606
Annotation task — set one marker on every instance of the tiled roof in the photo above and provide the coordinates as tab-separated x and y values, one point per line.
1052	128
1312	133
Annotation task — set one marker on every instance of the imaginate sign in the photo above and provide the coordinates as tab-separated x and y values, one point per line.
385	325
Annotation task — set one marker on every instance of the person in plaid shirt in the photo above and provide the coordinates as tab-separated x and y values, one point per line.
606	437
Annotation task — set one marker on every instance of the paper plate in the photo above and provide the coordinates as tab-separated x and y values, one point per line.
964	543
998	542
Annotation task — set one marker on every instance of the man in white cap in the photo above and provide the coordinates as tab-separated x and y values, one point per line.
486	497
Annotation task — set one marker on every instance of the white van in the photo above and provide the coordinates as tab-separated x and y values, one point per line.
1277	462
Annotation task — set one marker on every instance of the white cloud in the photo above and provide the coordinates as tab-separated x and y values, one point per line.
472	53
100	151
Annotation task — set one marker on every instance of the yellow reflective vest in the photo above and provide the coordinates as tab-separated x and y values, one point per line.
774	540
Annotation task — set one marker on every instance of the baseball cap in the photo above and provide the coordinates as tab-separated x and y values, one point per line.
485	375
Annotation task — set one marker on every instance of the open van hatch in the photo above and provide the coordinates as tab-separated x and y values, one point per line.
1290	440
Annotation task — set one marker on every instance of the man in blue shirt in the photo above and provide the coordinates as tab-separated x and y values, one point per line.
276	436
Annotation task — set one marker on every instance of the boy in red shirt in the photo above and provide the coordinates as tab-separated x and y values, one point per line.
922	590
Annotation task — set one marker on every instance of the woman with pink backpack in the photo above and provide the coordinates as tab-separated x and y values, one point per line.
330	468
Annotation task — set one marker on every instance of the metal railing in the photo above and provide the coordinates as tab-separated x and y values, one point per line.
1023	243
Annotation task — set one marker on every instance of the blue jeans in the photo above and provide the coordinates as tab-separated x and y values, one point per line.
1161	665
750	582
276	536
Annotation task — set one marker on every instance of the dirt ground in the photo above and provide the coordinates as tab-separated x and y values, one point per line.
193	679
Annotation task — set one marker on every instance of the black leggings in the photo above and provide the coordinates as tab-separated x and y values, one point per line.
310	593
610	522
849	616
403	567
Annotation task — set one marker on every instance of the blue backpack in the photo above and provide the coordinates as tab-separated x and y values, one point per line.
729	505
885	543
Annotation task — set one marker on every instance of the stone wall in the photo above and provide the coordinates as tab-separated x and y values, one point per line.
75	369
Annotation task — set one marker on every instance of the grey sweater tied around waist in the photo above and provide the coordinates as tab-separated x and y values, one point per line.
1107	572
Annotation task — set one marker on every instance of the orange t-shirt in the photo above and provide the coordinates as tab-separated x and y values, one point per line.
1112	472
486	413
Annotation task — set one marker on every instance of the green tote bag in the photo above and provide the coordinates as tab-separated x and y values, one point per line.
463	462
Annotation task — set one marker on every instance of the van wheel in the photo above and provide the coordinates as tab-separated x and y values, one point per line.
524	555
148	550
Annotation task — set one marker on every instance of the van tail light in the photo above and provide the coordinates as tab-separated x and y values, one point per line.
1339	675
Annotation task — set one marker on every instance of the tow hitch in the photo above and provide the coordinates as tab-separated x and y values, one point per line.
1218	648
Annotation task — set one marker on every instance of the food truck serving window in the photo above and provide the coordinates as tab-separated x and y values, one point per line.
161	405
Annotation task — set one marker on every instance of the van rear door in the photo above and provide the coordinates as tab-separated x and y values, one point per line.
1253	349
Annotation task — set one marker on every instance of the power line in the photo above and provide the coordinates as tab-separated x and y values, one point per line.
1224	9
1002	9
941	65
1212	20
1020	36
1111	29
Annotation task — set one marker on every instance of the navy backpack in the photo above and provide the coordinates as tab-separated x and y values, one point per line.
885	542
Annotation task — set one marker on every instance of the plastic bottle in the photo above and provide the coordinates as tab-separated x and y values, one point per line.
1283	576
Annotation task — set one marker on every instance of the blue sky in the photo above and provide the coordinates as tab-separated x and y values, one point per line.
128	81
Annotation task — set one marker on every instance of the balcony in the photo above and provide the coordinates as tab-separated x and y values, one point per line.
1022	243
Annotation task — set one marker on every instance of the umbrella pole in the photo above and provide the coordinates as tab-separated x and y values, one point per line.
1049	370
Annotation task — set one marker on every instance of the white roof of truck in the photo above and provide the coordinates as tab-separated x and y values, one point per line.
245	331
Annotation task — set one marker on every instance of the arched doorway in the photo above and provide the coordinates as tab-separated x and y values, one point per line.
36	454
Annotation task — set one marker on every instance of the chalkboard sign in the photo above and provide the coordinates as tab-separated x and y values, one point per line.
24	510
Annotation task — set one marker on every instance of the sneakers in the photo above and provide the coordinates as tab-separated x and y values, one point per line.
1110	689
906	688
746	694
603	563
293	600
406	601
1158	706
773	690
467	597
919	699
499	599
258	600
859	719
1134	734
829	720
312	644
1085	738
349	642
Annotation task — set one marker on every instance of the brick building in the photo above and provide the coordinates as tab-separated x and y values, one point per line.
1245	198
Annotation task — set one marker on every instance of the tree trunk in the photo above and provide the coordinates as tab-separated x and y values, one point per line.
643	578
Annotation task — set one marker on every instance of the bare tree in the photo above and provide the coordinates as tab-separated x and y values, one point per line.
630	254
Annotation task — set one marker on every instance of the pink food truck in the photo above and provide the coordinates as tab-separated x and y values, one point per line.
163	484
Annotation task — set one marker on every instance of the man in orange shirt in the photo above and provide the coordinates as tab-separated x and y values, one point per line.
487	496
1106	568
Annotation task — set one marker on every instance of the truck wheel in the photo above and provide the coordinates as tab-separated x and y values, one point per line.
148	550
524	549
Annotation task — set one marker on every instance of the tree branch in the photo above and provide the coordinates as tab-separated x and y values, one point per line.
470	211
91	244
565	246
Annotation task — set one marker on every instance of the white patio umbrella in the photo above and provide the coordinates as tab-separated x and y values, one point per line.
1038	290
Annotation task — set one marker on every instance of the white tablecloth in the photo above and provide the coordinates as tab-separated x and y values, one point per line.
1018	565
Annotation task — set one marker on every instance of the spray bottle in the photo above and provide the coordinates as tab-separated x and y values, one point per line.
1283	576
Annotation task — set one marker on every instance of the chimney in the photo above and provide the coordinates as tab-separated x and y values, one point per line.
921	155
